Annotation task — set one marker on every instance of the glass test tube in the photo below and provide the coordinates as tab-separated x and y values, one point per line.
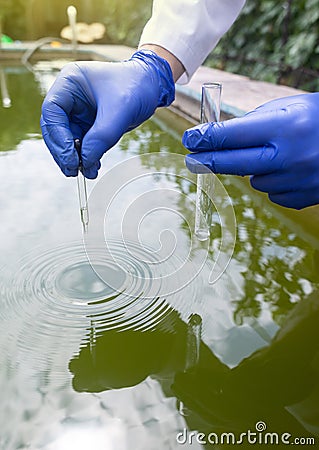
209	112
82	191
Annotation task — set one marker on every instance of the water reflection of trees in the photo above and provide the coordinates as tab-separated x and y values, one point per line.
277	384
275	263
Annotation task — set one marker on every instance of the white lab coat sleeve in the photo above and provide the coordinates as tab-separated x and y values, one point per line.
190	29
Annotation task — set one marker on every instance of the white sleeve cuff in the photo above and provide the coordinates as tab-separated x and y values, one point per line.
190	29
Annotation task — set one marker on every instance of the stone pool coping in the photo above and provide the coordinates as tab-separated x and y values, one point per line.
240	94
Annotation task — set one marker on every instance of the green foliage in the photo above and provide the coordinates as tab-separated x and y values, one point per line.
12	17
274	41
32	19
125	20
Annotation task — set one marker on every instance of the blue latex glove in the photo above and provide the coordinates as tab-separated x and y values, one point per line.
277	143
98	102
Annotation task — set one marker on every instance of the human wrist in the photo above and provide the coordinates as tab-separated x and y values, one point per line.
163	70
176	66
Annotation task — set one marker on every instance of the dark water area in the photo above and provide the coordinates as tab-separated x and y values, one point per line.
99	347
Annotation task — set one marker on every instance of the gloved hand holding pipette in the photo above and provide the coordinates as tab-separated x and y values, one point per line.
277	143
99	102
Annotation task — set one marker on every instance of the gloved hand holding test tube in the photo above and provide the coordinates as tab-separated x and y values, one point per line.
82	191
209	112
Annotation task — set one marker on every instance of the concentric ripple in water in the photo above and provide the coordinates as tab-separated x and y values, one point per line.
59	291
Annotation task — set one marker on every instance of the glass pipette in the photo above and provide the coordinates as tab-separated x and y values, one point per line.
82	191
210	112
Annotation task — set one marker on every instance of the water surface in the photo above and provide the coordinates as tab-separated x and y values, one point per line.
94	333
